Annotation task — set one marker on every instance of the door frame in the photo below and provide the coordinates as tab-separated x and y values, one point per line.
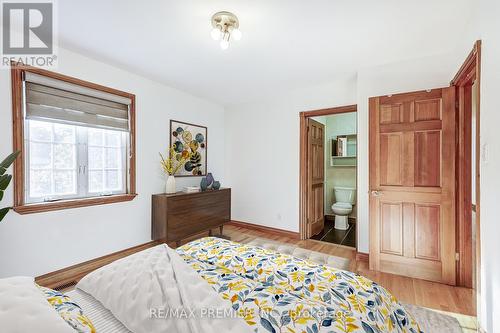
469	72
303	188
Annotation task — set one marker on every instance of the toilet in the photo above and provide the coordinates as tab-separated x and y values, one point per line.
344	200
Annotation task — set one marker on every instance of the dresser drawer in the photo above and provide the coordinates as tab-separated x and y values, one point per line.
181	215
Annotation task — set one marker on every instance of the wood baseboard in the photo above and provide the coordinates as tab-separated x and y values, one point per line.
360	256
69	276
275	231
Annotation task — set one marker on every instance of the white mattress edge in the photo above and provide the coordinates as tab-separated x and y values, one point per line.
102	318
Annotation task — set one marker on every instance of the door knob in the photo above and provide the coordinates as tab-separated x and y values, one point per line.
376	193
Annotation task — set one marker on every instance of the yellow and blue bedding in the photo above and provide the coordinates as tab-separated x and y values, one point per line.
276	292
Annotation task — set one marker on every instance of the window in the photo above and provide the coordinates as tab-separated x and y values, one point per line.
77	142
68	161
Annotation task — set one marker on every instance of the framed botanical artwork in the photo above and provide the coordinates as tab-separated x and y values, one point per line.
190	145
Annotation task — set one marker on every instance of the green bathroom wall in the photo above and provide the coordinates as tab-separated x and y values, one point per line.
335	125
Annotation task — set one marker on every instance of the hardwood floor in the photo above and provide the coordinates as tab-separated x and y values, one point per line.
408	290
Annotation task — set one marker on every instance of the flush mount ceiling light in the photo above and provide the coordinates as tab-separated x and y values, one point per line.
226	25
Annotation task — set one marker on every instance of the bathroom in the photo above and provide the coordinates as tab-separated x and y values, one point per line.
340	184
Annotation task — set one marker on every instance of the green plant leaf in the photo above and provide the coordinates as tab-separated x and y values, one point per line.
3	212
1	195
8	161
5	181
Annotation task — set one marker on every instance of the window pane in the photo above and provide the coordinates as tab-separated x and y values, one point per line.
64	156
64	133
96	158
96	181
96	137
105	160
40	131
52	160
64	182
40	183
40	155
113	138
113	180
113	158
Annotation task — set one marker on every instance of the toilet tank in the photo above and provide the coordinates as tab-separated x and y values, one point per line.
345	194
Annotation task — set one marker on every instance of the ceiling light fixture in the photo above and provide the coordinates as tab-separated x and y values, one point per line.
225	25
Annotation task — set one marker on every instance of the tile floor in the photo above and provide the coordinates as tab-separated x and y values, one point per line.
332	235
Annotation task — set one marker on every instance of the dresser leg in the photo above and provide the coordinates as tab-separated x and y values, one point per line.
221	228
210	233
177	243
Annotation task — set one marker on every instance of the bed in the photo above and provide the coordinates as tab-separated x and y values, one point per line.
281	293
257	290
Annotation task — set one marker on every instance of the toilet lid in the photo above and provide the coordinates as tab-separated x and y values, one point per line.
342	205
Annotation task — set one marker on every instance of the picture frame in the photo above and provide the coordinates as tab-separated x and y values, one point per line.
190	139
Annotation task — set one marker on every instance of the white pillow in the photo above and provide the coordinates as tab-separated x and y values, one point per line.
24	308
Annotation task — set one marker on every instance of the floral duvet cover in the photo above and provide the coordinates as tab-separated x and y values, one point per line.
275	292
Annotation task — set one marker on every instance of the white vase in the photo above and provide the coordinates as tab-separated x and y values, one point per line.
170	185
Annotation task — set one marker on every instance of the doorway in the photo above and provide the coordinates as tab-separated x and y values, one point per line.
328	175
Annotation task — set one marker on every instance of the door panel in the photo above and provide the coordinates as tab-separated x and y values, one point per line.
428	158
315	179
428	110
391	153
408	159
317	216
391	222
409	230
427	231
412	168
391	114
317	153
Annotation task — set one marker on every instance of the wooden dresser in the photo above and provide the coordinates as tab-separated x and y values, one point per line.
181	215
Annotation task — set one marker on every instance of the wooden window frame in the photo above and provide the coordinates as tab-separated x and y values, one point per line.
17	70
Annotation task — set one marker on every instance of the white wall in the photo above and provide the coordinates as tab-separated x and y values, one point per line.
490	165
262	152
40	243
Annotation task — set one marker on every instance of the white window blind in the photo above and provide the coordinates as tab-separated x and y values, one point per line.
49	99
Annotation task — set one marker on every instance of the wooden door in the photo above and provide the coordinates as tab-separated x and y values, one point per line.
412	184
315	176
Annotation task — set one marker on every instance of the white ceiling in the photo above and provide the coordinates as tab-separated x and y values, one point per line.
286	44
